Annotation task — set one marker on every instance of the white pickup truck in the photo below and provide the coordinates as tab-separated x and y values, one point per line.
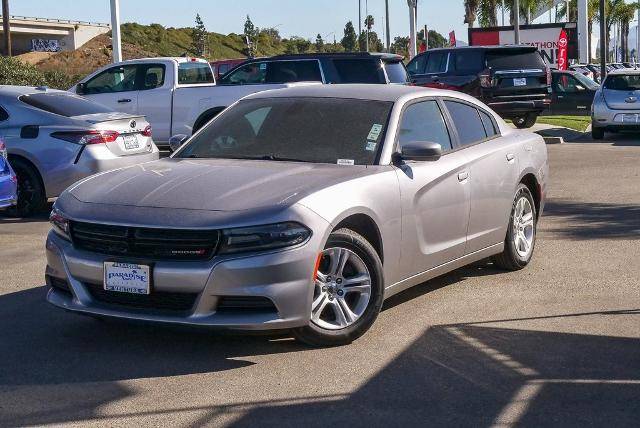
180	95
177	95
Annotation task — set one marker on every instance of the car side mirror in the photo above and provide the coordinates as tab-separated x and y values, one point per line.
420	151
81	89
176	141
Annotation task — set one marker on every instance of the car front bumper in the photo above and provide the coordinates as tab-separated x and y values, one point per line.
283	277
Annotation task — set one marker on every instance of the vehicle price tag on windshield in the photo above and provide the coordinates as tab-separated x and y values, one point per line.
376	129
520	81
345	162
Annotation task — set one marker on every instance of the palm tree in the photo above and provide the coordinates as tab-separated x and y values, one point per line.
624	14
470	11
487	15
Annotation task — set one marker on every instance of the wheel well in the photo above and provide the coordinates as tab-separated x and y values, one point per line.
530	181
205	117
19	158
365	226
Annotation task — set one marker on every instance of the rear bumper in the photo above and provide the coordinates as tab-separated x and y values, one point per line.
605	117
514	108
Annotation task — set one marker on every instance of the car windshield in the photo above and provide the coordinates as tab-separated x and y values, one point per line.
621	82
304	129
588	83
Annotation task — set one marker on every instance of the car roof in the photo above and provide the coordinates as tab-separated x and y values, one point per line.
382	55
360	91
625	71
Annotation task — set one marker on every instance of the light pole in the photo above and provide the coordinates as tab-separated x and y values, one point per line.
366	14
603	43
359	17
516	24
388	35
6	29
503	13
412	27
583	33
637	39
116	42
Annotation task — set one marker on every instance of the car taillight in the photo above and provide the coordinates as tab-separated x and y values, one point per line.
3	149
485	80
548	75
87	137
147	131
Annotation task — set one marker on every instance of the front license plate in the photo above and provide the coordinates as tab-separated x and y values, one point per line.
131	142
520	81
630	118
127	277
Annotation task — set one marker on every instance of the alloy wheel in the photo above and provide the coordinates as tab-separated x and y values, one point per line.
342	289
523	228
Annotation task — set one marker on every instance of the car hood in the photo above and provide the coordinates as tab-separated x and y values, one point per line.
212	184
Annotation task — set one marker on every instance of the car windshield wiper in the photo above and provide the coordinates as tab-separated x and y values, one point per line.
271	158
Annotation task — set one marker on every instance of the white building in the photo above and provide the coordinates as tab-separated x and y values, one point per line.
30	34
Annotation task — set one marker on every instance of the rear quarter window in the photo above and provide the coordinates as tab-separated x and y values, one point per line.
515	59
293	71
194	73
396	72
64	104
467	122
358	71
3	115
467	62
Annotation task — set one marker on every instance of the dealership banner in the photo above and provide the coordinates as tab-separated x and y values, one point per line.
562	50
546	37
452	38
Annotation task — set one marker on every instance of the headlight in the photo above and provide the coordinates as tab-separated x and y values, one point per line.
59	224
262	238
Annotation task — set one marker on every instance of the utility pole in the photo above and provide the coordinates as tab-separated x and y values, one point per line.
6	29
637	56
388	35
359	17
412	27
426	37
503	13
116	42
603	43
366	14
516	24
583	33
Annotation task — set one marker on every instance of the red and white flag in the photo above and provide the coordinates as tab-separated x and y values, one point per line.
562	50
452	38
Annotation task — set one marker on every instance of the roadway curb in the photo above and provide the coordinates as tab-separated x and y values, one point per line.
553	140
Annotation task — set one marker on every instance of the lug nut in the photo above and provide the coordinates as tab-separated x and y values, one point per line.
330	297
328	278
324	288
340	292
339	281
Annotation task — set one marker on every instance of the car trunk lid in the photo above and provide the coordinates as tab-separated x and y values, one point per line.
132	132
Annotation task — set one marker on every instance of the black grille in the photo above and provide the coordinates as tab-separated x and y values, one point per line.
161	301
245	304
156	244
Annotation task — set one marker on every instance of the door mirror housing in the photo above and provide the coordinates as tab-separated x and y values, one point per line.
420	151
81	89
176	141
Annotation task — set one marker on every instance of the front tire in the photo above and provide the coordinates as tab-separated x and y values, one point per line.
521	233
526	121
348	291
31	194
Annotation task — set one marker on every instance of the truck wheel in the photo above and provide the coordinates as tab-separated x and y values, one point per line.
526	121
31	195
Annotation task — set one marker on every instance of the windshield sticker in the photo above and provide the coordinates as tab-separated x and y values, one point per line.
346	162
376	129
263	66
371	146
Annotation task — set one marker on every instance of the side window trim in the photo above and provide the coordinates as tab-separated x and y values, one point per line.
458	146
445	115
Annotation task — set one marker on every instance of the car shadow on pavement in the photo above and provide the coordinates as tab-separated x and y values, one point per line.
589	220
481	375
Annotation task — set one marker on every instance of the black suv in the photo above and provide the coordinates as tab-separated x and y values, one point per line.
512	80
361	67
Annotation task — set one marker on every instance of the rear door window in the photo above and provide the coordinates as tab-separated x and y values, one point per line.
466	62
489	125
514	59
358	70
293	71
467	121
64	104
396	72
423	121
194	73
437	62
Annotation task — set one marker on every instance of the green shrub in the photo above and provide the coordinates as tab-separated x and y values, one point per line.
60	80
16	72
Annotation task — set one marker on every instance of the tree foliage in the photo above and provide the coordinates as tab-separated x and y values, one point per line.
350	40
199	37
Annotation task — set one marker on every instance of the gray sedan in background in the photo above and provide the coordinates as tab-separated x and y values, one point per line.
55	138
301	209
616	105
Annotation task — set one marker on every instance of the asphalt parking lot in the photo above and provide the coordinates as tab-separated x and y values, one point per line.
555	344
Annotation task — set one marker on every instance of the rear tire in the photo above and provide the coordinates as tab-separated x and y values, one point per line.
526	121
331	293
31	194
597	133
521	232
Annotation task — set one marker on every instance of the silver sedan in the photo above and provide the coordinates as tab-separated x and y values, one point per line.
301	209
55	138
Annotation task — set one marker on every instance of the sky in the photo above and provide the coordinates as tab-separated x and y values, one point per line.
304	18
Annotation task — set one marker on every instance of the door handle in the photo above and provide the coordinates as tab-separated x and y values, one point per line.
463	176
510	157
124	100
560	97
